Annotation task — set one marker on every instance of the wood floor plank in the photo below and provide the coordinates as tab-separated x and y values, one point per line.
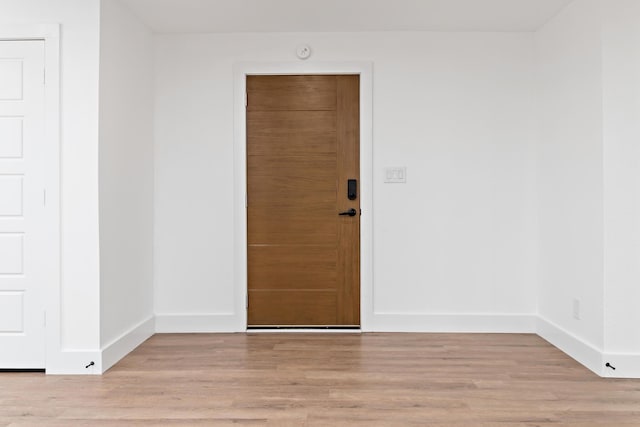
438	380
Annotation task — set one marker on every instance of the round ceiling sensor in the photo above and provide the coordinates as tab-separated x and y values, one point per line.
303	51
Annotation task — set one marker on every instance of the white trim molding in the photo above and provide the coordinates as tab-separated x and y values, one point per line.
58	360
74	362
117	349
197	323
30	32
626	365
365	70
455	323
576	348
595	359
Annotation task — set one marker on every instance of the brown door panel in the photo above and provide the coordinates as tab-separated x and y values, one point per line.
292	308
290	133
291	93
293	267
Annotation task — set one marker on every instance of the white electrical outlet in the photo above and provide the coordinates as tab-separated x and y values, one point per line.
576	309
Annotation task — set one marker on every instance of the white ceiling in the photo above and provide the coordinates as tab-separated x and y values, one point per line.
196	16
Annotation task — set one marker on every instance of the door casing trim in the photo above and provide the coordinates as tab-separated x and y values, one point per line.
240	72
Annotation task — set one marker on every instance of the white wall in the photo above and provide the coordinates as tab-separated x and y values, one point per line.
456	109
126	179
621	76
589	158
79	19
570	171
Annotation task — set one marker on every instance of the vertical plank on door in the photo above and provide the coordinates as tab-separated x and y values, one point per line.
348	135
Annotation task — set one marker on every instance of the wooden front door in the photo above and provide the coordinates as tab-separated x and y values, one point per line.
302	150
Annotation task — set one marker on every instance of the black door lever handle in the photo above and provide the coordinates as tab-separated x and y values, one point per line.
350	212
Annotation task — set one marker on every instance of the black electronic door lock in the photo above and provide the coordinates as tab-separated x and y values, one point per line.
352	189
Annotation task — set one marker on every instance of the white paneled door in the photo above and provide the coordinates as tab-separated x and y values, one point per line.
22	204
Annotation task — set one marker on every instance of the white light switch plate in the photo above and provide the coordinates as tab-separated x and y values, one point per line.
395	175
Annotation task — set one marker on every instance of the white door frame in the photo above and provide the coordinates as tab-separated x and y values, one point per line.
240	72
50	35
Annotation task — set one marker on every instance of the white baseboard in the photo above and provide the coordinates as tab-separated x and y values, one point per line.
198	323
74	362
126	343
70	362
626	365
452	323
576	348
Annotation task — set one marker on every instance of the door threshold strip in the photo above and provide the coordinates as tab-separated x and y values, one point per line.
305	330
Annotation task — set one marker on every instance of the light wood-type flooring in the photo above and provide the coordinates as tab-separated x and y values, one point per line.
328	380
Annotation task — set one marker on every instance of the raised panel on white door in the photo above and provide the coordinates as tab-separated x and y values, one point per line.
11	312
11	253
11	188
11	137
11	79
